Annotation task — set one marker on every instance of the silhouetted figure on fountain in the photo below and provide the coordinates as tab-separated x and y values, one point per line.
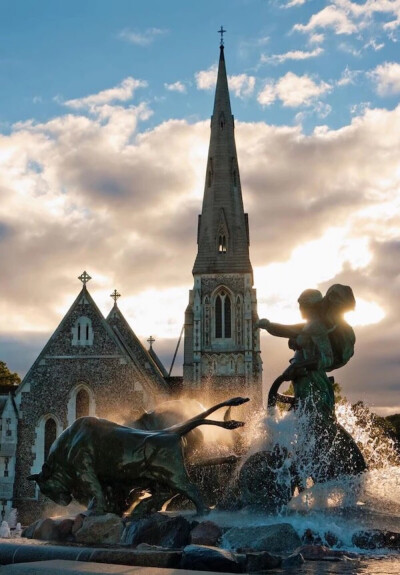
323	449
324	343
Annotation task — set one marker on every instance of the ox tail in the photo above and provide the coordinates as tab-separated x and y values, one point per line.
183	428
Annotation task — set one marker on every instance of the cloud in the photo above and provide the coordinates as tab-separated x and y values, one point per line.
206	79
120	93
347	17
316	38
292	90
348	77
292	3
98	192
330	17
291	55
386	78
374	45
241	85
141	38
176	87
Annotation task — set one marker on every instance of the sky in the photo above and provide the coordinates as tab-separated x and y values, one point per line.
104	128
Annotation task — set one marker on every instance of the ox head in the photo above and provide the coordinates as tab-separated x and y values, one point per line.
53	485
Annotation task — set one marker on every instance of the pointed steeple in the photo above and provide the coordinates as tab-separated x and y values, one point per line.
223	239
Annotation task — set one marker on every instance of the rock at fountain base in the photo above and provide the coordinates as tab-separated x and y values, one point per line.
293	560
100	529
376	539
322	553
262	561
278	538
206	533
204	558
158	529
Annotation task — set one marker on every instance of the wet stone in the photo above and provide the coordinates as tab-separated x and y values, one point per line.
46	530
261	561
376	539
78	522
65	529
100	529
160	530
278	538
206	558
206	533
30	530
293	560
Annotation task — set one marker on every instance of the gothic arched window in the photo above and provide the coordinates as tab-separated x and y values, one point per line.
218	317
222	244
223	316
82	403
227	316
50	435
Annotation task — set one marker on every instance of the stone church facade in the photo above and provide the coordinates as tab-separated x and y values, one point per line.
222	348
90	366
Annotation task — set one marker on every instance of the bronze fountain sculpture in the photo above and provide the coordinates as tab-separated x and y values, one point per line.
100	463
107	466
323	343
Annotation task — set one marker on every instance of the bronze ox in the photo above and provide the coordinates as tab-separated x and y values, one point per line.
171	413
99	462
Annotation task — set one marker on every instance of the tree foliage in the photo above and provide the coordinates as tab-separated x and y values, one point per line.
7	377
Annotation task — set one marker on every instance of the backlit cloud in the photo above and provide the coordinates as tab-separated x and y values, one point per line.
292	90
105	193
120	93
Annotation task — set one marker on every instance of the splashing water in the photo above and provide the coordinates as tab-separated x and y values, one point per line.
336	509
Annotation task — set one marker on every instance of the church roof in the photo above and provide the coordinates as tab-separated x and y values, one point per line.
157	361
223	238
138	354
111	344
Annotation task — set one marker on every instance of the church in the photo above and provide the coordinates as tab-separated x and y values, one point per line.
96	365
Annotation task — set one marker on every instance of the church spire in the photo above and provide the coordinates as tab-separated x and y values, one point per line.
223	242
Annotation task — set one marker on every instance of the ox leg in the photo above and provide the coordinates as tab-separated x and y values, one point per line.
190	491
89	483
179	481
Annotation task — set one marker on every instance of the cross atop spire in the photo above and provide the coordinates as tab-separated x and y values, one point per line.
222	32
84	277
115	295
151	340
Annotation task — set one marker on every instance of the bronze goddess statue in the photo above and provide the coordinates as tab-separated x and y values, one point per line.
323	343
